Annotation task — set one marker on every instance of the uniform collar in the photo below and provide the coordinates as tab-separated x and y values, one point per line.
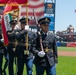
45	33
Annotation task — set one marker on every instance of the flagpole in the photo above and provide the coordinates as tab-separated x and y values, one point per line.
27	13
19	12
27	52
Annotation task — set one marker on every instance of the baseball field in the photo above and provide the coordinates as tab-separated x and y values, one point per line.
66	62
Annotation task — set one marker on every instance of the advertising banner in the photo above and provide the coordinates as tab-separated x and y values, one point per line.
71	44
50	12
52	26
50	9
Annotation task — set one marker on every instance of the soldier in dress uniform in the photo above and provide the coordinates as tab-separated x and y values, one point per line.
45	49
11	46
23	52
1	53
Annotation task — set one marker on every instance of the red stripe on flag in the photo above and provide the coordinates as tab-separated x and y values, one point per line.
34	6
18	1
31	14
35	0
21	1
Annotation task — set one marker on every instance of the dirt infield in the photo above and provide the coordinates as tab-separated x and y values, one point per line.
67	53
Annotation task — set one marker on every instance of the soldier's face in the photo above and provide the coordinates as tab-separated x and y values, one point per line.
13	26
22	26
45	28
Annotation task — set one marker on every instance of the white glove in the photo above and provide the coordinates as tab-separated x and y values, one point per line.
41	54
2	40
26	27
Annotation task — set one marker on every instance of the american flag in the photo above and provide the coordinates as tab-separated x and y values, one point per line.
37	5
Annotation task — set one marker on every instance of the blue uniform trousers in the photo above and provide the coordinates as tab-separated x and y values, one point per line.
49	70
11	64
1	57
29	66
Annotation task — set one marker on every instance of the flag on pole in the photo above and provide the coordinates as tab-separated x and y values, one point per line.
22	2
6	20
3	2
19	2
37	5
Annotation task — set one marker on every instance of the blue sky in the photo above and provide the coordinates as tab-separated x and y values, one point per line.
65	14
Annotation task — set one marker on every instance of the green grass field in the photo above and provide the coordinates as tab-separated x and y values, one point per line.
66	48
66	65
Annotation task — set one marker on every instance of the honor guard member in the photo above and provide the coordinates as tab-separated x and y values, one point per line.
1	53
24	55
45	51
11	46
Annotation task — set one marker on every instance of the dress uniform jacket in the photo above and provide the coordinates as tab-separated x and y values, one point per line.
11	38
1	55
50	49
2	52
21	43
1	45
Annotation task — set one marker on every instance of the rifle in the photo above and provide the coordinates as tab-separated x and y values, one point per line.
38	30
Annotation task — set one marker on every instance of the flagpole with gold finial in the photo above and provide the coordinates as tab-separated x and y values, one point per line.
26	51
19	13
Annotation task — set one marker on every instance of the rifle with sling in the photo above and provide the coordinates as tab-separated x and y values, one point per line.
38	30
